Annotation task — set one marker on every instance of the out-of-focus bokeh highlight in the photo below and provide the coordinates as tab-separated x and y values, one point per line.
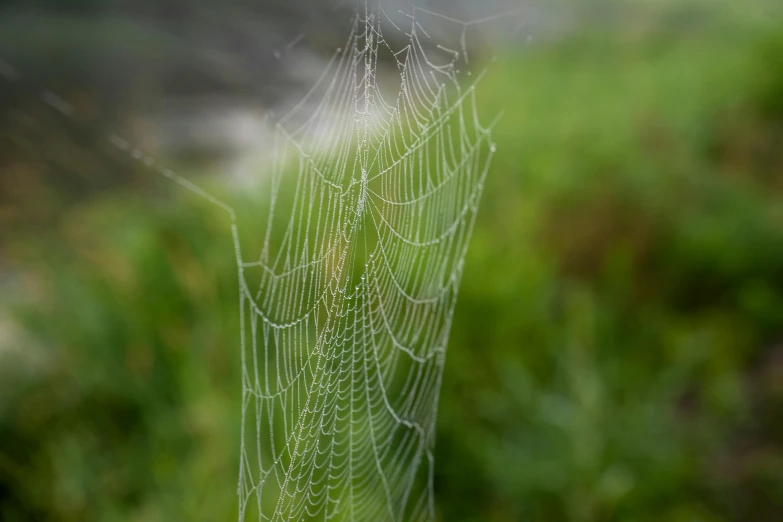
617	352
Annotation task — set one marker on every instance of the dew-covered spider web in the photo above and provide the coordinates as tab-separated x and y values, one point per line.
346	326
369	211
361	229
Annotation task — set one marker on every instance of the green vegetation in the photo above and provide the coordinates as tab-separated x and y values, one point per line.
617	353
624	296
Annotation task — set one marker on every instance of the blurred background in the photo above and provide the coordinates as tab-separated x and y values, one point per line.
617	352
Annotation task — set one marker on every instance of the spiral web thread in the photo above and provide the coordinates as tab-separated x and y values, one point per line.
345	329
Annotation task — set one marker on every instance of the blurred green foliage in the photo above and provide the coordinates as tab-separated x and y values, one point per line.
617	352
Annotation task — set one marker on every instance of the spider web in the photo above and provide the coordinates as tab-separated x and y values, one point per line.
346	310
346	326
